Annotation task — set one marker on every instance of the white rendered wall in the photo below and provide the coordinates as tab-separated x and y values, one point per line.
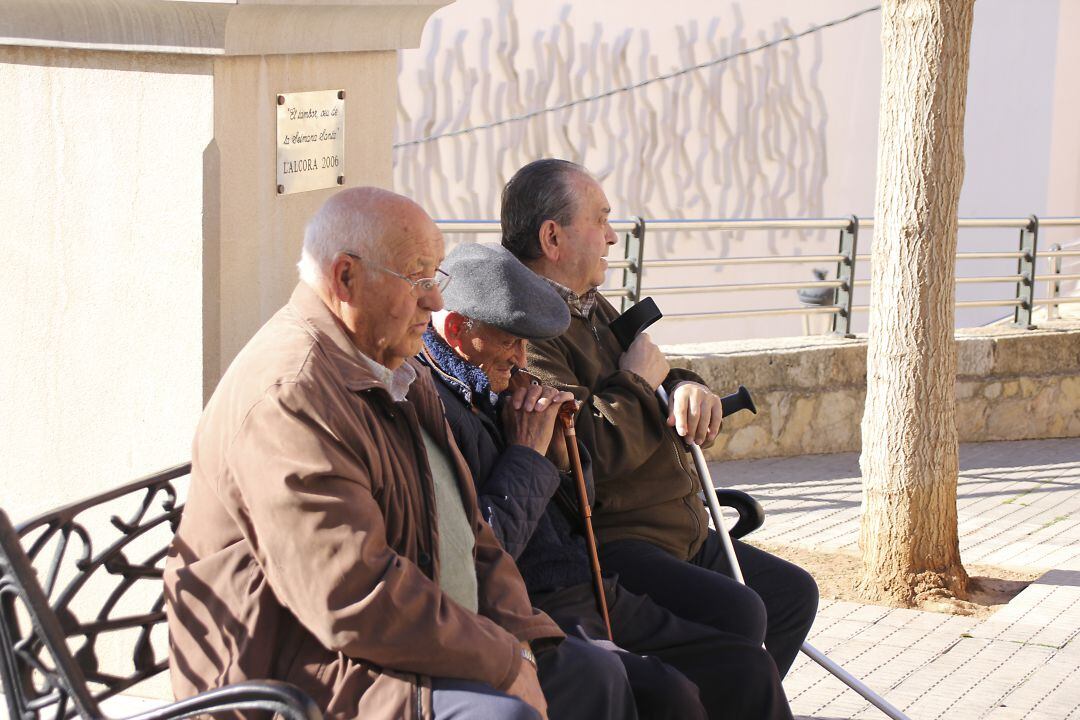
101	220
1021	146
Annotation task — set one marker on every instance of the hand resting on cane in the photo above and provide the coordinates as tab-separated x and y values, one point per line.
529	419
696	413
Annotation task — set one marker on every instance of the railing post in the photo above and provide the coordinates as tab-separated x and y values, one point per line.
1025	267
1054	311
634	252
845	273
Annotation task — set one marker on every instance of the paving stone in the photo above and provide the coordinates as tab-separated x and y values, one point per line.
1043	614
837	609
1008	713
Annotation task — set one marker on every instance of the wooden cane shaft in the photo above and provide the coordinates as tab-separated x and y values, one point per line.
586	517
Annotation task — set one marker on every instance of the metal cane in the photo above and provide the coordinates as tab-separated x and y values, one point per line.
706	482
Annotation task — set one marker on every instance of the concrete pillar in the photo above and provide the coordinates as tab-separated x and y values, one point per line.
143	234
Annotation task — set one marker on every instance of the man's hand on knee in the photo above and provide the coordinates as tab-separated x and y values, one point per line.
695	413
526	687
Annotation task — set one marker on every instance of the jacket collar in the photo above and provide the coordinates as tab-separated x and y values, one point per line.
580	305
357	370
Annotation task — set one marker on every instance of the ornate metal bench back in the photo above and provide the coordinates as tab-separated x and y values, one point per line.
69	583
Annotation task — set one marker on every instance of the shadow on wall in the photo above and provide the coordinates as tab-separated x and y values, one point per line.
742	138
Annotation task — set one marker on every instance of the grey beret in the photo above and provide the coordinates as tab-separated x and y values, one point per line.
491	285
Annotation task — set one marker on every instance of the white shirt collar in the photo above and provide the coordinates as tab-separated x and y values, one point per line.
397	382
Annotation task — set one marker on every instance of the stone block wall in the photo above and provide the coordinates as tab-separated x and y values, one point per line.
1011	385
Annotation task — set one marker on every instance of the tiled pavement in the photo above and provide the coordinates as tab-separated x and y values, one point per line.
1019	507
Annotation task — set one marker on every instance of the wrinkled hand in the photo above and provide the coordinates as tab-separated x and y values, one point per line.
643	358
526	687
557	452
695	413
529	416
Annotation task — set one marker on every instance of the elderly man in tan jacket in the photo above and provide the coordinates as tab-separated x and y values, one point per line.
331	537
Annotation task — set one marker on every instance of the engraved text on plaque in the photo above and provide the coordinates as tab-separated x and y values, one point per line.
310	140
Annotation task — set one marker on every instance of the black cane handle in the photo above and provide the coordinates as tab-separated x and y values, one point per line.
633	322
738	400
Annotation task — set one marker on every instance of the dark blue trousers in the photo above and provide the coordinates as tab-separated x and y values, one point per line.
678	669
777	605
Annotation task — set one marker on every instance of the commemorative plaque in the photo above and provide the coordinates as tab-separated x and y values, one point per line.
310	140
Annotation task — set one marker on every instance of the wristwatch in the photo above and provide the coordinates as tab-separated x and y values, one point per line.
527	655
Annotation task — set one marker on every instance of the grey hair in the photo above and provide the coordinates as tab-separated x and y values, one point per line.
542	190
345	223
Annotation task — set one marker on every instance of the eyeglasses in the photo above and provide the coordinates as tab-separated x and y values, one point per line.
421	286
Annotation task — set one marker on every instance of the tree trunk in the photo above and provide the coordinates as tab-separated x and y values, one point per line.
908	536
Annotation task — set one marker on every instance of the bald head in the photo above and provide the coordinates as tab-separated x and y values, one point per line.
365	254
367	221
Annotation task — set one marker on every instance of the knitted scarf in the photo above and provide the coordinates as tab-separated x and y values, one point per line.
473	386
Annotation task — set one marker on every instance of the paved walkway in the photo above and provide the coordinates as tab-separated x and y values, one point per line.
1019	507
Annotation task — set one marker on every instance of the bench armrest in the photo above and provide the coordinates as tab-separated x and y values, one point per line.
288	701
751	514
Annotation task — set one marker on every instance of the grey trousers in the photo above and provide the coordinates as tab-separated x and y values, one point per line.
467	700
580	682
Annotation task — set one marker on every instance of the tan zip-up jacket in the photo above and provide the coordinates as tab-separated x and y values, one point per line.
307	549
646	486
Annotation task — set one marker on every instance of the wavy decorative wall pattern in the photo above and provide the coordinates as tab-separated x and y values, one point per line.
743	138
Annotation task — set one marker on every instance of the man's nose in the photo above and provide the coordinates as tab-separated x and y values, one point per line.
519	353
610	236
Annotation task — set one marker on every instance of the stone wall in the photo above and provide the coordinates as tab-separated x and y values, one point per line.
1011	385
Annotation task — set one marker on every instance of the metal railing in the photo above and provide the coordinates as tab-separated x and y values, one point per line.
633	264
1055	255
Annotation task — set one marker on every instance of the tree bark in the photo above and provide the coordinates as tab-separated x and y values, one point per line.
908	535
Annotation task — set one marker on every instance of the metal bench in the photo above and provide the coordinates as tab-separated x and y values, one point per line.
82	615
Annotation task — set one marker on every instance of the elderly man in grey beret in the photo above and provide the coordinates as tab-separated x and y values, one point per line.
518	460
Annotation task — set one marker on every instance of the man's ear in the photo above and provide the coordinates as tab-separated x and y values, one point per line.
550	239
344	274
453	326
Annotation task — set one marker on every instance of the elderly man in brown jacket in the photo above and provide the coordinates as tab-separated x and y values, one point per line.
652	526
331	537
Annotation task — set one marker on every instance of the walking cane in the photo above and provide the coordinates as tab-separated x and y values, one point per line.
566	418
566	421
626	327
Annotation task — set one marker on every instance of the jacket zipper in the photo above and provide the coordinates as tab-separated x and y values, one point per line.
680	458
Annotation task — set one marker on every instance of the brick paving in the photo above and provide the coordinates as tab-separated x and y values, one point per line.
1018	507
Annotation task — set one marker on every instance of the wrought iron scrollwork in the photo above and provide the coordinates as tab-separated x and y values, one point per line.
87	577
90	597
